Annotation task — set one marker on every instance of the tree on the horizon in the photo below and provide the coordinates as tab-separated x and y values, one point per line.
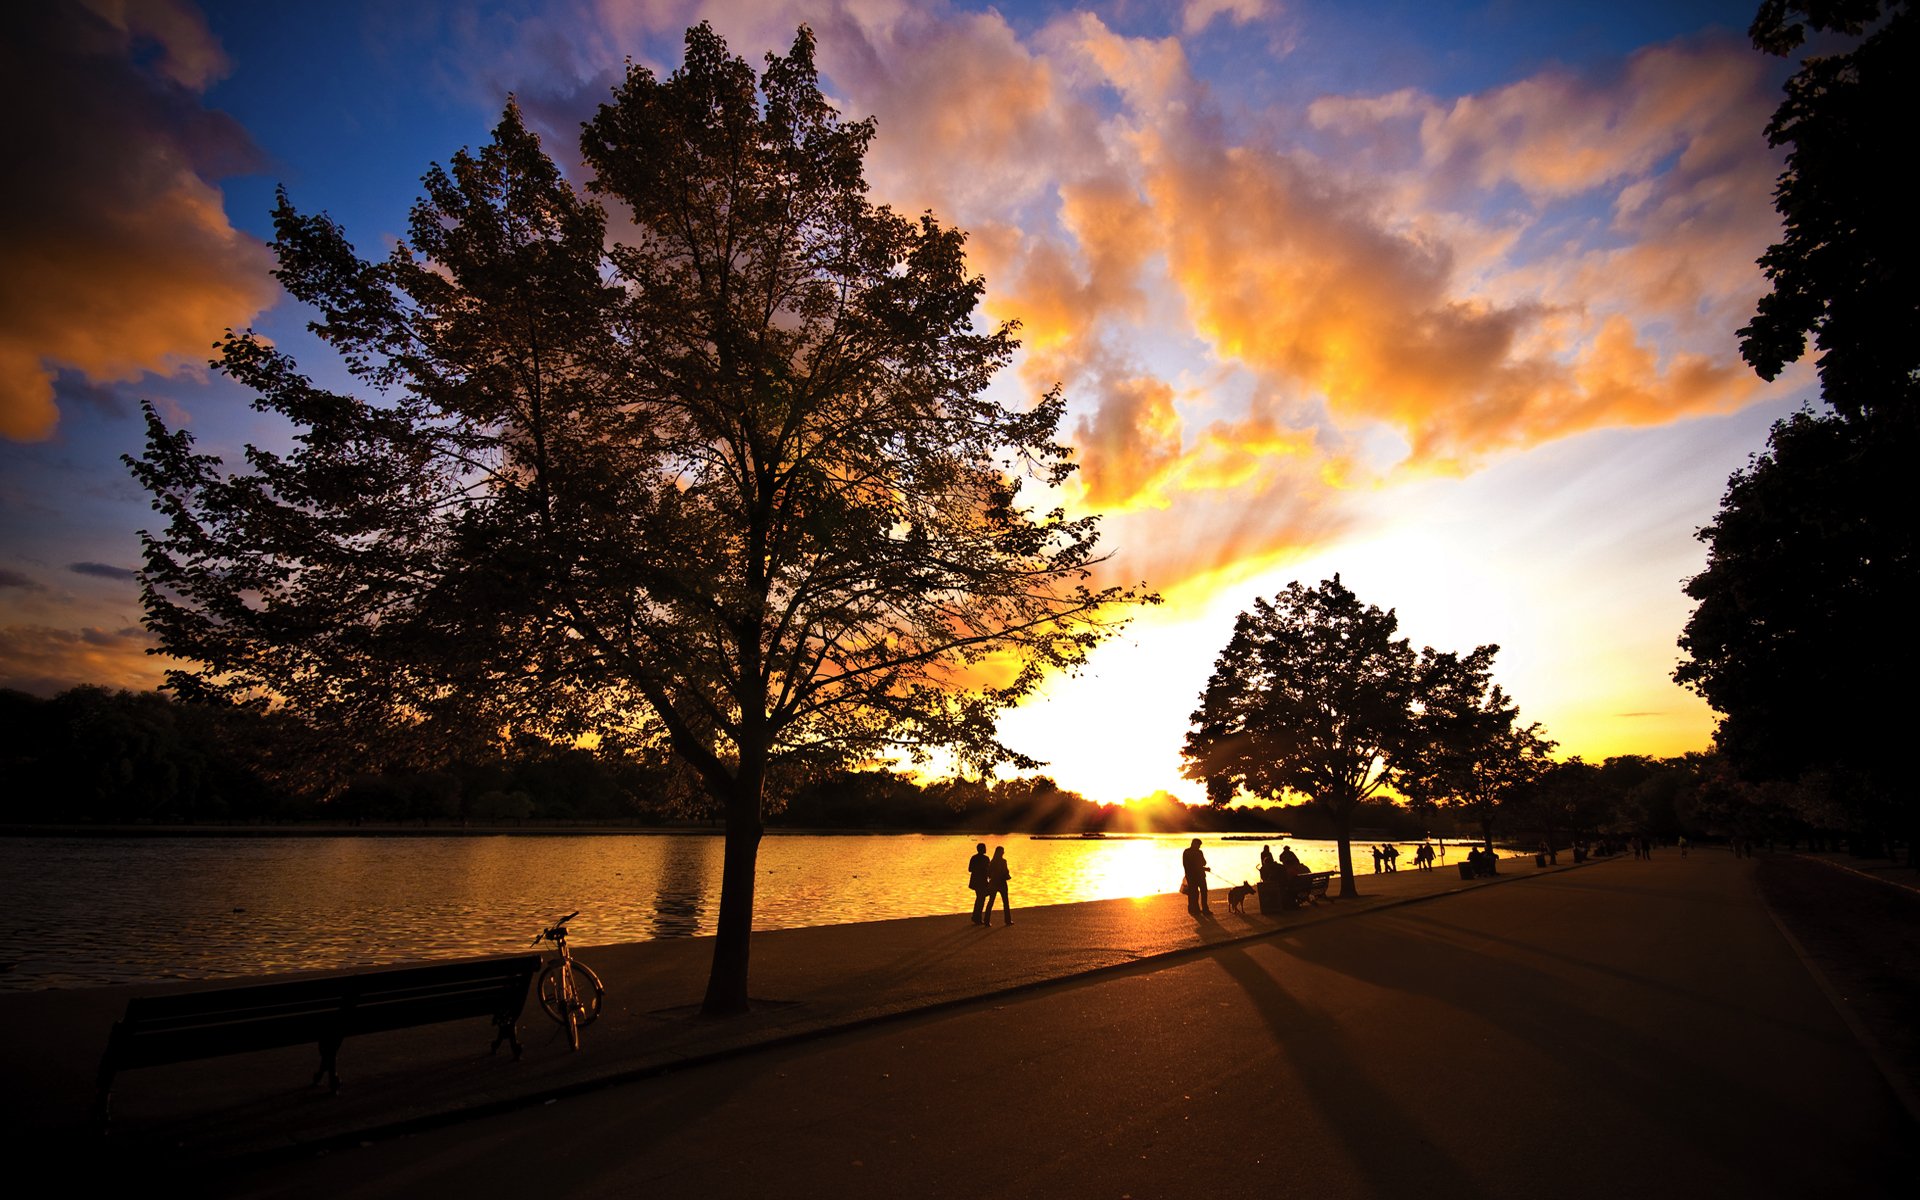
1313	696
1469	754
730	478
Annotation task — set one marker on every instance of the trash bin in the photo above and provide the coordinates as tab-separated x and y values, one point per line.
1466	870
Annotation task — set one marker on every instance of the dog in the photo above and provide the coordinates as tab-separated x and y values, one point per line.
1237	897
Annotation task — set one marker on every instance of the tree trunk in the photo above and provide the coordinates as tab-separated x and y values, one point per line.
1342	824
727	981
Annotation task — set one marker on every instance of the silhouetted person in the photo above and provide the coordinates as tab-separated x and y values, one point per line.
1391	853
1270	868
1195	865
1376	860
997	875
978	873
1295	870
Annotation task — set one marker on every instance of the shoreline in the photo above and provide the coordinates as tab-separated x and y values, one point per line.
604	830
807	982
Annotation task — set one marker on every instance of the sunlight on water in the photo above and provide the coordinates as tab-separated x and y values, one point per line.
84	911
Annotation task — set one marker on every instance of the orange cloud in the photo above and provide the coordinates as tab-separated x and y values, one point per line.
1128	444
45	660
1201	13
119	257
1250	321
1558	133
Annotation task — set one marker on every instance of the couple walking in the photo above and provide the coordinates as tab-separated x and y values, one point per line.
988	879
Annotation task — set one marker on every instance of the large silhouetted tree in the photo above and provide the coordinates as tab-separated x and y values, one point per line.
1470	753
732	475
1313	696
1847	270
1802	630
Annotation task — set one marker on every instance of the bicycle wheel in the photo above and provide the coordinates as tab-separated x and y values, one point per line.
588	993
553	990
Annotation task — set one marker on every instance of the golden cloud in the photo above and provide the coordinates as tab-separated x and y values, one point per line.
120	259
45	660
1235	312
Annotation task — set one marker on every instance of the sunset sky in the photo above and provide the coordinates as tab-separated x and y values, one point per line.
1438	296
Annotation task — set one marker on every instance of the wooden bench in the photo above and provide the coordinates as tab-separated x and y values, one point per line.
161	1030
1277	896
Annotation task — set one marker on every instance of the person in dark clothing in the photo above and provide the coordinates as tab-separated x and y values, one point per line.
978	870
1194	863
997	875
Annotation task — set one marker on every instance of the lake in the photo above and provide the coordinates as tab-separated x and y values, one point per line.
80	912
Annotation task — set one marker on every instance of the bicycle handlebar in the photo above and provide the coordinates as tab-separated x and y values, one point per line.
558	927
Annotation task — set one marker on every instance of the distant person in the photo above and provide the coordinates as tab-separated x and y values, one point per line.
1683	845
1270	868
1290	862
978	871
1194	864
1376	860
1392	854
997	875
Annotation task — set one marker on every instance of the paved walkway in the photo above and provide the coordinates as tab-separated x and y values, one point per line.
809	981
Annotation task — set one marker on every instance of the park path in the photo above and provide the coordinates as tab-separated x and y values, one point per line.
1635	1027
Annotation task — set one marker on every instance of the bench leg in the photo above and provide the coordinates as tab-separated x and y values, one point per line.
507	1032
329	1064
103	1092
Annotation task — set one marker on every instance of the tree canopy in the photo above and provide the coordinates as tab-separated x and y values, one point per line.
1312	696
1845	270
1470	752
1801	638
728	477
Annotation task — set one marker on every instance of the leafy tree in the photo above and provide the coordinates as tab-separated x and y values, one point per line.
1313	696
1801	630
731	478
1847	270
1469	753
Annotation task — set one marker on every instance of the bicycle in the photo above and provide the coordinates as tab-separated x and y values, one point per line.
569	991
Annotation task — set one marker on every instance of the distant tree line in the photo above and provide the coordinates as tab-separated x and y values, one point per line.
95	756
91	756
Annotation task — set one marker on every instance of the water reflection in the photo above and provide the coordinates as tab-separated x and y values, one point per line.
85	911
679	898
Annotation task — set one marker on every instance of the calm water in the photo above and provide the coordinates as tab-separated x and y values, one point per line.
75	912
